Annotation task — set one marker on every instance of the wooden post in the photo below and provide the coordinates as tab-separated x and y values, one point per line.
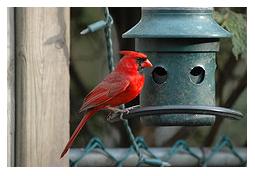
11	88
42	85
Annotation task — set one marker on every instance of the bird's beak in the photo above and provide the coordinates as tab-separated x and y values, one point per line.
146	63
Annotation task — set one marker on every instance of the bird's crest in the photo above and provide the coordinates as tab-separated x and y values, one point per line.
133	54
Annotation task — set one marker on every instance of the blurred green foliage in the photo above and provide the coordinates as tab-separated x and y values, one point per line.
236	24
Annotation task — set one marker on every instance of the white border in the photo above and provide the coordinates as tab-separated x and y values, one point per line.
123	3
126	171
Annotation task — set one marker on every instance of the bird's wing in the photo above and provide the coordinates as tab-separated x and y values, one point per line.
114	84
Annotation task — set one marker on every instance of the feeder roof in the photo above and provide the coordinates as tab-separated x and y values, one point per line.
177	23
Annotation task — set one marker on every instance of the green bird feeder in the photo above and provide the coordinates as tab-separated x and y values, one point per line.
182	44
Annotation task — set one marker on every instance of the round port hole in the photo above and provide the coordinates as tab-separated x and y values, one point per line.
159	75
197	75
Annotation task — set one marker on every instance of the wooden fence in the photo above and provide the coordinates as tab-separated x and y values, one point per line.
41	96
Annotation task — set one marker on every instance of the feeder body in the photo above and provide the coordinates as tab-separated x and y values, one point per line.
172	82
182	44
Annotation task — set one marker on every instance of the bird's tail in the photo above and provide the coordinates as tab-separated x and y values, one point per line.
78	129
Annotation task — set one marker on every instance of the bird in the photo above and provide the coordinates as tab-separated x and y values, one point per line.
120	86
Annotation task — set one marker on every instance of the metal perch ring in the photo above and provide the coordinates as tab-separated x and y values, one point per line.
184	109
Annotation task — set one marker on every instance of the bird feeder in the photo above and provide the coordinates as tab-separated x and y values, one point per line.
182	44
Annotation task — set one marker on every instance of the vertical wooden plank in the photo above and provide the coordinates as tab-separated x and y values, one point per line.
11	87
42	85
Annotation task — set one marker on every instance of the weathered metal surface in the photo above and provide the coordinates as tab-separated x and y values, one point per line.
180	87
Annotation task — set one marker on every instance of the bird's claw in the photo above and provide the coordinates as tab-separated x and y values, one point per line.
117	114
127	110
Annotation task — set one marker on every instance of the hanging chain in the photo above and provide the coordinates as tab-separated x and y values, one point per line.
108	37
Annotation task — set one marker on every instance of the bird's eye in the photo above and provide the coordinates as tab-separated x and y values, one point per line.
140	60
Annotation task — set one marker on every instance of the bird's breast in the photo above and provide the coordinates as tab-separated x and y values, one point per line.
136	84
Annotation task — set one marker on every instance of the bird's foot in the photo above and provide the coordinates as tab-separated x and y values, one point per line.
117	113
133	107
116	110
114	117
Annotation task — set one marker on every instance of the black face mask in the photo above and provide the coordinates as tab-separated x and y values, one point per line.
139	62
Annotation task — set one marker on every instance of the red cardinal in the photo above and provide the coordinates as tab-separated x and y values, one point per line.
119	87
